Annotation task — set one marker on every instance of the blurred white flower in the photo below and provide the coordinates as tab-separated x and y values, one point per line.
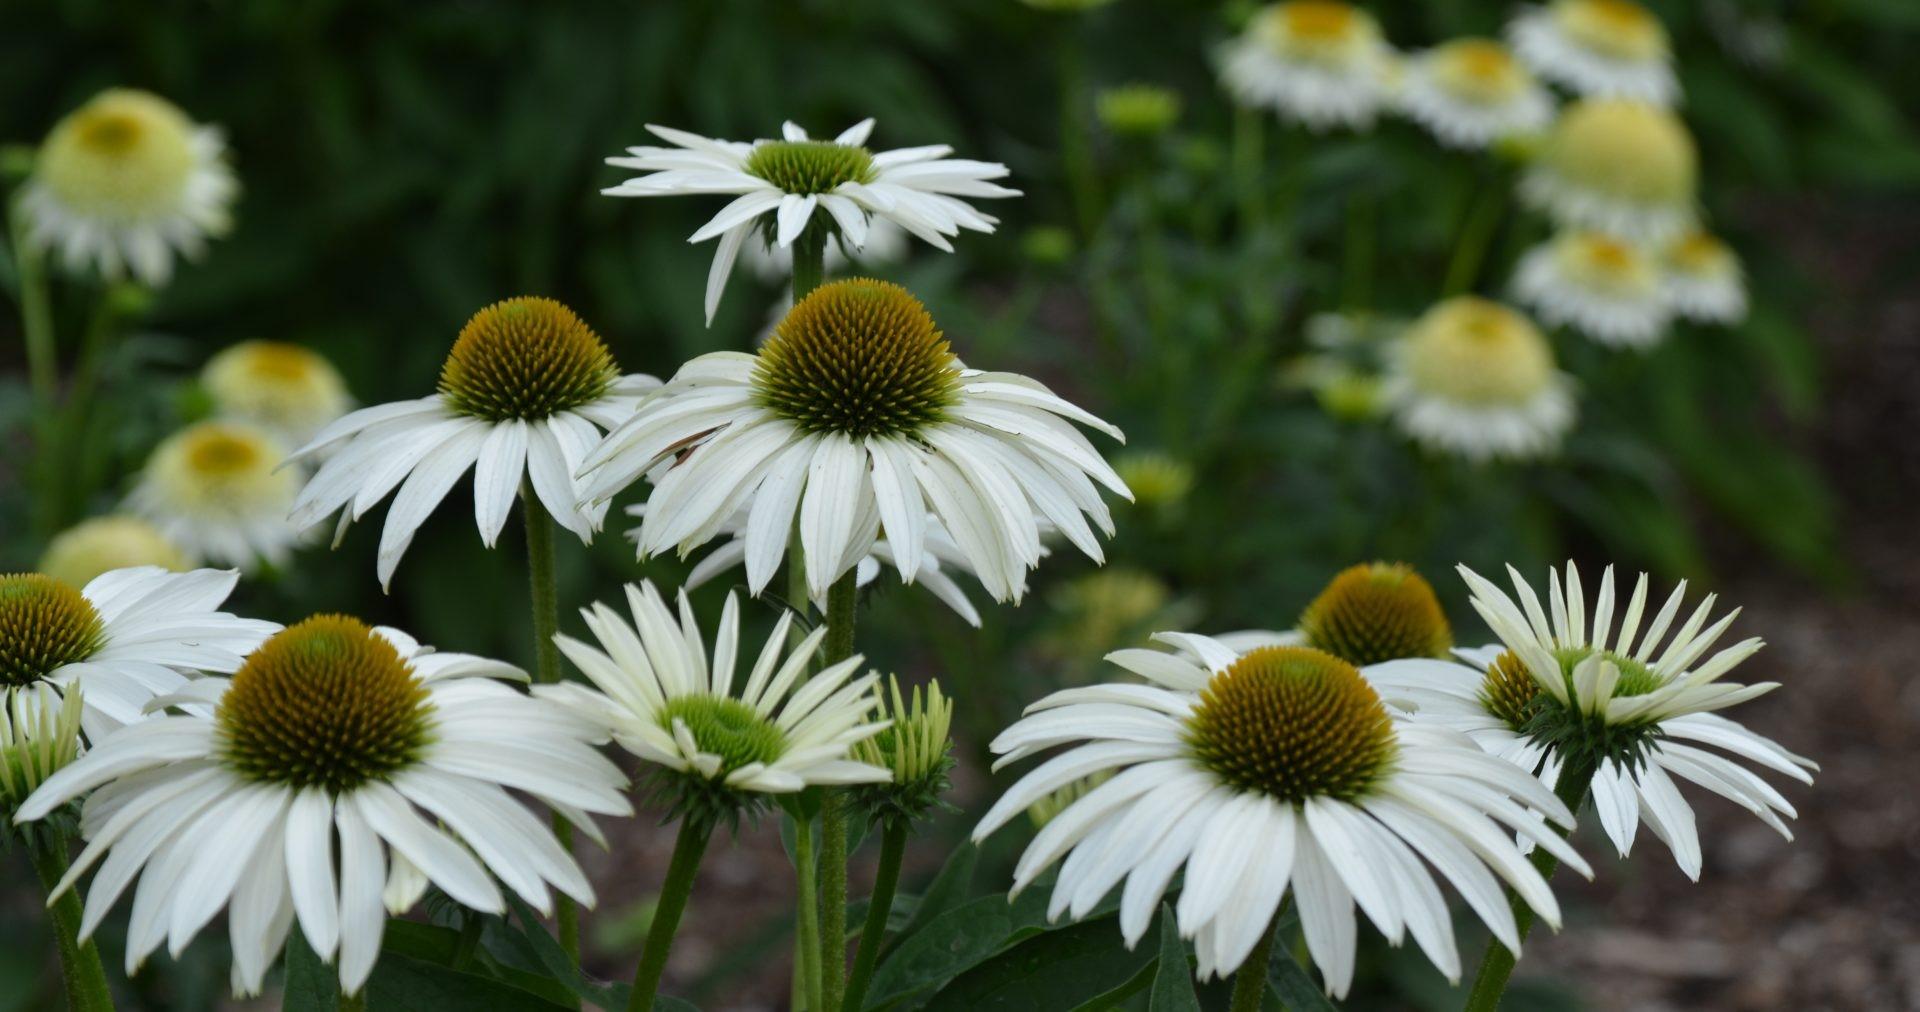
93	546
1471	92
1605	48
1320	63
287	389
1476	378
217	490
1704	281
1616	166
1609	289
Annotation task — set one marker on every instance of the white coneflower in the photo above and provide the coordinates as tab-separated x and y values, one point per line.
216	490
1703	280
524	395
284	388
130	635
126	183
1320	63
1273	773
666	702
939	562
779	185
91	547
341	770
1610	48
1609	289
856	420
1471	92
1616	166
1368	613
1565	693
1476	378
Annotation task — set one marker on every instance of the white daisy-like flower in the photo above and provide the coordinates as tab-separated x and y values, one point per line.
1565	689
125	183
1274	772
338	772
1323	64
1608	48
524	394
1606	288
1476	378
938	563
1616	166
284	388
1471	92
665	701
93	546
781	184
1704	281
216	489
128	636
856	421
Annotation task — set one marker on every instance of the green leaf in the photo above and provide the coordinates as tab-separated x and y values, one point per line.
956	941
1293	984
406	984
554	959
311	985
948	888
1173	980
1084	964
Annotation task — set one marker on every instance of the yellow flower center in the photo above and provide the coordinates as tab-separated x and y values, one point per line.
91	547
1475	351
1377	612
1616	28
805	167
44	624
222	467
1318	31
276	384
125	155
1624	150
526	358
1700	254
859	357
1479	70
1293	723
1605	264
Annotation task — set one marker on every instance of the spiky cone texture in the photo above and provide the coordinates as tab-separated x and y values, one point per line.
340	771
1273	773
1564	686
525	393
856	422
916	748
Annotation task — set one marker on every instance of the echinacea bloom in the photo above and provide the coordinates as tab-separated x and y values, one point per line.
778	186
1476	378
39	736
216	489
856	421
1470	93
1368	613
1271	773
1622	167
127	637
665	698
1606	288
1605	48
338	772
940	562
284	388
524	395
127	182
1703	280
1320	63
1565	690
93	546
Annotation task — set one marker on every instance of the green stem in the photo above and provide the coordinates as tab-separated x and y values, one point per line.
545	592
809	260
1250	981
36	326
1359	252
351	1002
1076	154
1248	181
806	940
687	849
842	603
893	845
1496	967
1476	235
80	969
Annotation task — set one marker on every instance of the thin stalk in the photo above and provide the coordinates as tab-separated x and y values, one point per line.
545	593
687	850
893	845
1496	967
1250	981
1489	205
80	969
842	603
1249	183
43	372
1076	154
806	932
351	1002
809	260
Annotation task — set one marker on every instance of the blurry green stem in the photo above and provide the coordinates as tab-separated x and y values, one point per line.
806	934
1250	981
1496	967
1489	205
893	845
80	969
687	849
809	260
843	600
351	1002
1076	154
36	325
546	655
1358	270
1249	181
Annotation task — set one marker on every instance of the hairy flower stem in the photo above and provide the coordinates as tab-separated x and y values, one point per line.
1496	967
842	602
1250	981
806	932
687	850
893	845
80	969
546	655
